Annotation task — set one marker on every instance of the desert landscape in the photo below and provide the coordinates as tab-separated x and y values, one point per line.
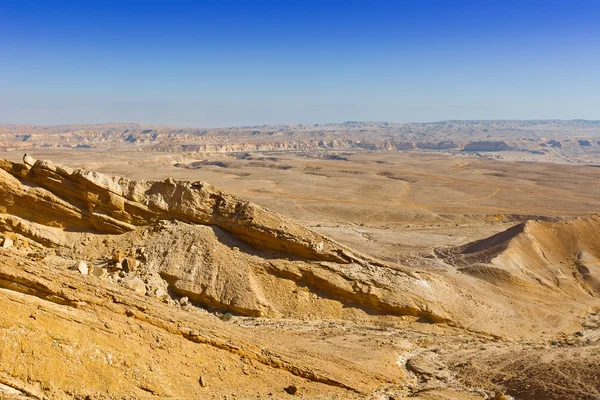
447	260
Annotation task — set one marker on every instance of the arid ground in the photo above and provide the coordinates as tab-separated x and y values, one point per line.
300	273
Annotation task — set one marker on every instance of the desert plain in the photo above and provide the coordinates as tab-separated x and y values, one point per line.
455	260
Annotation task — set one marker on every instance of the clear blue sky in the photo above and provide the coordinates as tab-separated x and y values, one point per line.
223	63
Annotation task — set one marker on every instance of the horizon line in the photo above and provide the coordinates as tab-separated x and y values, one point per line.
299	123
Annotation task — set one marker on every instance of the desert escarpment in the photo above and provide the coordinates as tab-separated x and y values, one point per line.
86	200
217	250
578	137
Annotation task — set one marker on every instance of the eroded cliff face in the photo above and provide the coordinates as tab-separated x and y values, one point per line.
55	195
173	239
214	248
384	136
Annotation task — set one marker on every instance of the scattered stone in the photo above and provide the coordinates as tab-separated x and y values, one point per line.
184	301
428	365
499	395
578	333
82	267
7	242
136	284
292	389
37	256
28	160
130	264
97	271
202	381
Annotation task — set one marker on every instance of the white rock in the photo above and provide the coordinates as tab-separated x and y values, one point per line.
8	242
28	160
82	267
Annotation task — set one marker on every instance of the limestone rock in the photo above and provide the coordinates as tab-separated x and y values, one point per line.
116	205
7	242
136	284
82	267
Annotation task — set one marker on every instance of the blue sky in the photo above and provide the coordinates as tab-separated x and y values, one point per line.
224	63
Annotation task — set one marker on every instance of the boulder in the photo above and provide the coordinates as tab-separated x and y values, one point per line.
7	242
136	284
130	264
202	381
292	389
82	267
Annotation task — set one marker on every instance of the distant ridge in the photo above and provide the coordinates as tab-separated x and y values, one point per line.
134	125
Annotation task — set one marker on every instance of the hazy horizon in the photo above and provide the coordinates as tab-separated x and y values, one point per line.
242	64
178	126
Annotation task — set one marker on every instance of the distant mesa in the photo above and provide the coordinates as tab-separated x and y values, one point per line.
469	136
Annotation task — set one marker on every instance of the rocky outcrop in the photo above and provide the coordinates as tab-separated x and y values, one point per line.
172	239
58	196
217	250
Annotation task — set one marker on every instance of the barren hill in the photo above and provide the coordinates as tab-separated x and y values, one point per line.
558	255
